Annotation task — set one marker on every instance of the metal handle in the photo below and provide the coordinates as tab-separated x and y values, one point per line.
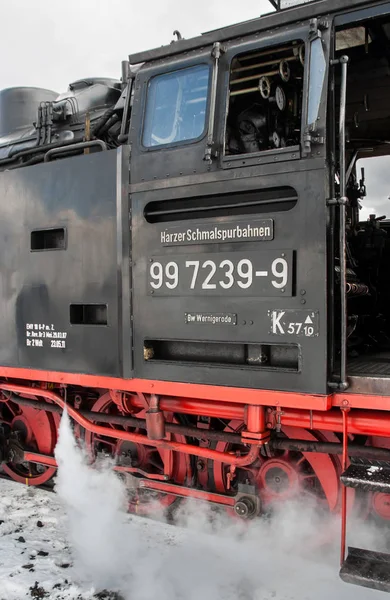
71	147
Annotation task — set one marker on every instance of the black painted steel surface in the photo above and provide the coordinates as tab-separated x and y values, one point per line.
367	568
254	26
251	318
219	268
368	475
64	243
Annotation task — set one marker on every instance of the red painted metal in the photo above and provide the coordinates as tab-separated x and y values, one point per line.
381	505
137	471
343	488
184	390
135	437
221	474
204	392
172	465
255	419
360	422
186	492
155	421
362	401
39	430
190	406
40	459
270	472
256	426
44	459
376	423
321	464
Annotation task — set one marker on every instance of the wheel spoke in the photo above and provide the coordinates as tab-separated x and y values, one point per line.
155	463
103	440
146	458
13	411
37	429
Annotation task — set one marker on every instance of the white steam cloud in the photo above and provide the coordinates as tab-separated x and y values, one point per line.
203	558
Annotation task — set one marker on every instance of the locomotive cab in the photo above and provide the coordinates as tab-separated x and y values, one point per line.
185	264
225	226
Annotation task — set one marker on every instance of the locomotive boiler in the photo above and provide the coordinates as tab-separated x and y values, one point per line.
183	265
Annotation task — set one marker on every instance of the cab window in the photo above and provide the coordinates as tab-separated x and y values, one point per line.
176	106
265	99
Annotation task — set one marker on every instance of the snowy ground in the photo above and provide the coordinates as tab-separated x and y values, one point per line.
79	544
35	558
36	561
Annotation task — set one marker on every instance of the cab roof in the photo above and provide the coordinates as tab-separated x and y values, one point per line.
268	21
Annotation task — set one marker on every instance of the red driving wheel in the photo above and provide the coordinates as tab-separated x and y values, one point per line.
293	475
37	431
288	473
147	459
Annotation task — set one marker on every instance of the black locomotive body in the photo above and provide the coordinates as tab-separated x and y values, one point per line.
191	232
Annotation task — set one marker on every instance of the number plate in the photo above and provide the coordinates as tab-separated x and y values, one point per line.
267	273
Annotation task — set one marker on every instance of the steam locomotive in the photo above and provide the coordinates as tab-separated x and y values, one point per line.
184	266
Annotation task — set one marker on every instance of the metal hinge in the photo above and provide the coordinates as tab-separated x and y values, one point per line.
310	138
316	27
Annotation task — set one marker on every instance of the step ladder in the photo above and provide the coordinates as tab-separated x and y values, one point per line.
363	567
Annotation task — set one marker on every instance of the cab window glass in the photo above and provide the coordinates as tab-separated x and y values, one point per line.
176	106
316	80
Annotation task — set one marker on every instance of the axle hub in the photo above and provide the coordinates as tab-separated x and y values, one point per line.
245	508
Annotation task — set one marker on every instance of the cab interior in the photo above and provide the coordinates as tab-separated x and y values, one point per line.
367	44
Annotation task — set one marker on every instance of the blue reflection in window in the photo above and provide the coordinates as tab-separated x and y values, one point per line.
316	80
176	106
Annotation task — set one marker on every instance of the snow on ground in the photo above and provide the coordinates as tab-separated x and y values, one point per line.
33	547
35	558
36	561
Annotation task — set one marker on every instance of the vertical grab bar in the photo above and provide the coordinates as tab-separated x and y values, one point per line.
343	201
